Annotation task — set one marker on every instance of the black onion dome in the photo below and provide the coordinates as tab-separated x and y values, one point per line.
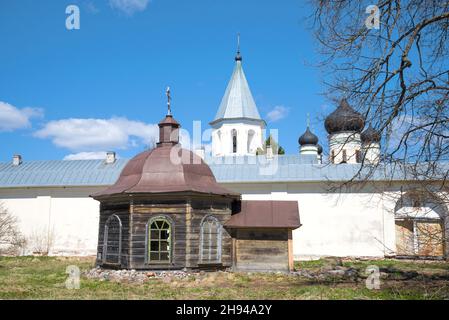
308	138
370	135
320	149
344	118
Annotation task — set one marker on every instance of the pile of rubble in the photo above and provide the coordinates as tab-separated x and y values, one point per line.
330	272
133	275
335	269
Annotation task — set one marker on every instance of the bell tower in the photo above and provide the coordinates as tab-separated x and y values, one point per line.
237	126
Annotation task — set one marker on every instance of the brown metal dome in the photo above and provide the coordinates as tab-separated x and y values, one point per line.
166	169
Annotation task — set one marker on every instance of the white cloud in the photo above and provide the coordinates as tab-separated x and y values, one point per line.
278	113
92	135
129	7
86	156
12	118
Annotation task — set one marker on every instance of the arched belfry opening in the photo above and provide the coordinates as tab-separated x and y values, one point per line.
234	141
250	141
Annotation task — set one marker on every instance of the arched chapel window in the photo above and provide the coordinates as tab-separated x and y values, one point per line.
210	240
159	240
112	240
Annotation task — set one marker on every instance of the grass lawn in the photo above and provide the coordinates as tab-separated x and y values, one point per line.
44	278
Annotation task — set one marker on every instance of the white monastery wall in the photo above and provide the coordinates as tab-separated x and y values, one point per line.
62	221
333	224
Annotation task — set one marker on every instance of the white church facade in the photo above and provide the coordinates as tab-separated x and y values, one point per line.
382	218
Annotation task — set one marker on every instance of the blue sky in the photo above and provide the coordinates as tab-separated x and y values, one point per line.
102	87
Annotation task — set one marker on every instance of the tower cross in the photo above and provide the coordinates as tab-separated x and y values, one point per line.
167	92
238	57
238	42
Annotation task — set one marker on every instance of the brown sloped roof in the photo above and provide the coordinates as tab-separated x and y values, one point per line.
266	214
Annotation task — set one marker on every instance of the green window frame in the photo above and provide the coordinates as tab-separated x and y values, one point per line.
159	240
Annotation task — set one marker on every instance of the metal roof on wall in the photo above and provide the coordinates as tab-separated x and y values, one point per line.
290	168
60	173
286	168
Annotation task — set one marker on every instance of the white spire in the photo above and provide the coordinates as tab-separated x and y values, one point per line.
237	101
237	126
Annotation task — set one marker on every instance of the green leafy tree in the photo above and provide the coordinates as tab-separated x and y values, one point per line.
277	149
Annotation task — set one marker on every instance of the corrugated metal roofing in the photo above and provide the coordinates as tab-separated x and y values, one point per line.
284	168
60	173
301	168
237	101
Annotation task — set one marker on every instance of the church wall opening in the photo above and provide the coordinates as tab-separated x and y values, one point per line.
419	225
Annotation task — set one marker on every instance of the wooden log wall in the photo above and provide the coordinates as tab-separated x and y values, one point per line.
143	211
186	217
120	209
222	212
